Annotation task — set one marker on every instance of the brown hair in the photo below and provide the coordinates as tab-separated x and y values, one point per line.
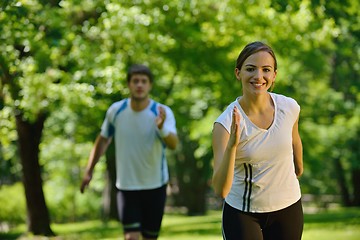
252	48
139	69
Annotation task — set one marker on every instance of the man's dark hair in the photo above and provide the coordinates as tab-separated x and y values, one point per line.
139	69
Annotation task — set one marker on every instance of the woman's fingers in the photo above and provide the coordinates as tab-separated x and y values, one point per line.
235	127
236	117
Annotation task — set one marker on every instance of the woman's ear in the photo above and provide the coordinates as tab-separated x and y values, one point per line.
273	82
272	86
237	74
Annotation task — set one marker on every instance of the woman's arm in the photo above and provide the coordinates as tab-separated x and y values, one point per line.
224	148
297	149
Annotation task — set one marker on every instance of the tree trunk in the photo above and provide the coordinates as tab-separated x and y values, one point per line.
110	202
192	179
29	136
335	84
355	170
342	182
355	177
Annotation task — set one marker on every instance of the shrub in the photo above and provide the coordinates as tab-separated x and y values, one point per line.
12	203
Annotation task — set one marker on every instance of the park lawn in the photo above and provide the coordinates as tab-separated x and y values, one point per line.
336	224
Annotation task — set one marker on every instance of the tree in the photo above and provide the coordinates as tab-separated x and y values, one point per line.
29	131
63	62
34	79
344	80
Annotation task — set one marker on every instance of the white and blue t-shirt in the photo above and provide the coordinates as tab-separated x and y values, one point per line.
264	177
140	152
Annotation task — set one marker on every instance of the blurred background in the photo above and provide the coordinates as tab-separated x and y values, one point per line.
63	62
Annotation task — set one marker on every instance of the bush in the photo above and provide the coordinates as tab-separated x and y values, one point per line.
12	203
67	204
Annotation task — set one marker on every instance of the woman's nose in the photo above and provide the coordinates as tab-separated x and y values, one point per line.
258	74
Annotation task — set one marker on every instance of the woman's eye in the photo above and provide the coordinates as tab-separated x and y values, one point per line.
250	69
267	70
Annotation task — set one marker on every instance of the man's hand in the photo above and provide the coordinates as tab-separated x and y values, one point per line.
85	182
161	117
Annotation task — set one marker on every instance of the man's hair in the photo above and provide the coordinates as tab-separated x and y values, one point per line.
139	69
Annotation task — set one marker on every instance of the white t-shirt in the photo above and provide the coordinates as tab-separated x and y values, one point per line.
140	152
264	176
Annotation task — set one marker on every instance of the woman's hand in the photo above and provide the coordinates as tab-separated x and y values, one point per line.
234	139
224	148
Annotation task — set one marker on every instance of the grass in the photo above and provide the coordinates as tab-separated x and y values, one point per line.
342	223
339	224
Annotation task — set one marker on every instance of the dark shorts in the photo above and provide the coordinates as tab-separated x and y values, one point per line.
142	210
284	224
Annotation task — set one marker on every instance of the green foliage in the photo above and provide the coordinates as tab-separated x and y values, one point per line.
9	167
63	176
65	202
12	204
69	59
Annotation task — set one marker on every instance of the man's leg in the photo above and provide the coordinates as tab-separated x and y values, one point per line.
132	236
152	211
129	213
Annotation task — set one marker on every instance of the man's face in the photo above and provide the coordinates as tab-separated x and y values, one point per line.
139	86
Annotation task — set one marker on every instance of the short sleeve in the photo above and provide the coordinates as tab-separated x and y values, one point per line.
225	118
170	122
294	109
107	128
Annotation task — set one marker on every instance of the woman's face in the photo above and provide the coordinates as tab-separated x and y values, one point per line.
257	73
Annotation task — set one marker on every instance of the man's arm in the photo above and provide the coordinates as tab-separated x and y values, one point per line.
170	138
171	141
100	147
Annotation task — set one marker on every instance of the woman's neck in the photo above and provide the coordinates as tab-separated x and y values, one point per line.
256	104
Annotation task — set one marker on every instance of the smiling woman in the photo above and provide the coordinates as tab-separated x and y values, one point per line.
258	154
264	57
257	72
